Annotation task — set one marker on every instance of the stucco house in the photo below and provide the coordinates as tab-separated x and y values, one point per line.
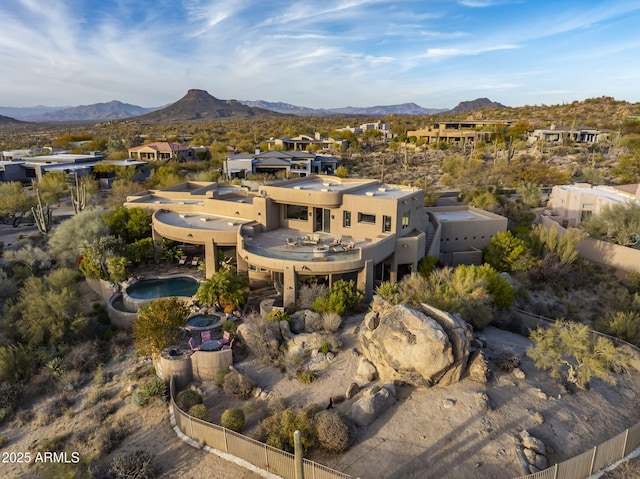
314	228
162	150
281	164
569	205
458	132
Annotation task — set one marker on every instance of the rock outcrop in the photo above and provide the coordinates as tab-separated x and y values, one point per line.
375	401
421	347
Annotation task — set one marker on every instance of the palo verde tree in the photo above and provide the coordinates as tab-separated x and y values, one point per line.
15	204
508	253
571	350
157	325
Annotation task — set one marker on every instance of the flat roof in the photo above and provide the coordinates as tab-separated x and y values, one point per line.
611	193
200	221
458	215
323	183
386	191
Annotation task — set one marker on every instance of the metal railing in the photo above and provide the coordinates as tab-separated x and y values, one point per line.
254	452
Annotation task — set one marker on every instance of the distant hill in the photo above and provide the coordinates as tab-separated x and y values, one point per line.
24	113
113	110
473	105
6	120
198	105
402	109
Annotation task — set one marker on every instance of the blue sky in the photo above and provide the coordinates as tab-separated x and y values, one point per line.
320	54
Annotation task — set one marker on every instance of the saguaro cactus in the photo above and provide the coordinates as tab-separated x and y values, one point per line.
78	195
42	215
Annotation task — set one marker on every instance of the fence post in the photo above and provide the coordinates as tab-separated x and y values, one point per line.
226	445
555	471
624	446
191	425
297	442
593	460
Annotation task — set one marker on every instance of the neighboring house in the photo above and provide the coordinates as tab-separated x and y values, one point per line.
162	150
459	132
34	167
560	134
302	143
281	164
377	126
315	229
569	205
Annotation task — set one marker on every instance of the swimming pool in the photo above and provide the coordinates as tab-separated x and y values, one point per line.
146	290
203	322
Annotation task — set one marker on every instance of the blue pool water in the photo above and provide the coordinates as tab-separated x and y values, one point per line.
160	288
204	321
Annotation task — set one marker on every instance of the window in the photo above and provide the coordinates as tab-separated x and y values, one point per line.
386	224
296	212
406	219
346	219
366	218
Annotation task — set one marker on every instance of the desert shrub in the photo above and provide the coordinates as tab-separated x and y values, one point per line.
324	342
52	409
154	388
238	385
137	464
343	296
335	431
621	324
119	344
308	294
426	265
389	291
325	347
55	443
188	398
277	315
4	440
306	376
139	399
262	338
96	395
229	326
17	363
233	419
102	410
280	426
10	394
507	360
220	375
110	437
331	321
199	411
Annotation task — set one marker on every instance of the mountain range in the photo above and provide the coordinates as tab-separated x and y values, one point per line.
198	105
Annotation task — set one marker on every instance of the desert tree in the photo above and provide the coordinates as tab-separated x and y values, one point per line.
571	350
15	203
66	240
620	223
53	186
508	253
157	325
47	311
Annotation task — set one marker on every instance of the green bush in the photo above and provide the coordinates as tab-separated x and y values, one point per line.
306	376
4	440
233	419
238	385
109	438
199	411
10	394
230	326
17	363
335	431
188	398
389	291
343	296
277	315
157	325
154	388
280	426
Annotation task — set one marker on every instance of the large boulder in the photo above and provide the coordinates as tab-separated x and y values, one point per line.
421	347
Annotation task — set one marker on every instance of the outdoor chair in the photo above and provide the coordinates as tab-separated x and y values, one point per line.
183	260
291	242
229	345
226	338
206	335
194	261
193	345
